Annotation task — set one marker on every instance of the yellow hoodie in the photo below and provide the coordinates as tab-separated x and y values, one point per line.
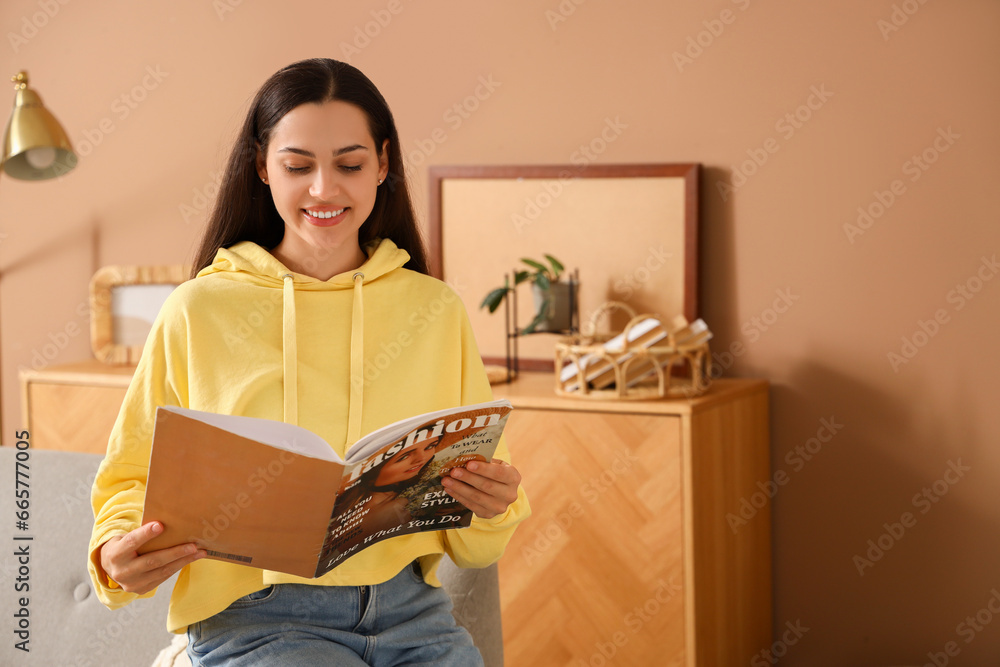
341	358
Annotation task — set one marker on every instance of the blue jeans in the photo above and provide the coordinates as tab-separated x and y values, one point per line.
403	621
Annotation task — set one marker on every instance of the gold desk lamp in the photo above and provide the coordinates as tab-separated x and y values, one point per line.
35	147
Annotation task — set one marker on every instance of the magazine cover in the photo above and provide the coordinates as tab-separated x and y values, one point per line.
398	491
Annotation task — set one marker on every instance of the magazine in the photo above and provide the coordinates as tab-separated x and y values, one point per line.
276	496
599	371
687	336
645	332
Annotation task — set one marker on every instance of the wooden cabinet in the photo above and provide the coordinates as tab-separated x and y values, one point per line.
628	558
73	407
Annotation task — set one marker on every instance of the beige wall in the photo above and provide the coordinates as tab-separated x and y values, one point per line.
885	96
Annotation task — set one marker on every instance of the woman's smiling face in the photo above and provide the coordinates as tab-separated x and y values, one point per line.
323	171
407	463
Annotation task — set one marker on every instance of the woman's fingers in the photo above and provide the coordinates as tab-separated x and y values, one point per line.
141	573
487	489
133	540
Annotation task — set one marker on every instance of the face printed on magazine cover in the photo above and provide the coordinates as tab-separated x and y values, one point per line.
406	464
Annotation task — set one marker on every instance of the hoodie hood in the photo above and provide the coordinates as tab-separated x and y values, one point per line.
248	262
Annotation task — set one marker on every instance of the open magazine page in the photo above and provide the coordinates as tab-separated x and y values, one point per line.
289	437
397	490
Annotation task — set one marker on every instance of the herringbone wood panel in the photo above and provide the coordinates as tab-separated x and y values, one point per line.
595	576
73	417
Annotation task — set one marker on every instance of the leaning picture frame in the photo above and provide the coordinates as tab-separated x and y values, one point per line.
631	231
124	302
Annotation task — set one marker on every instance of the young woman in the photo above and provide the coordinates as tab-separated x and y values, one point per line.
311	265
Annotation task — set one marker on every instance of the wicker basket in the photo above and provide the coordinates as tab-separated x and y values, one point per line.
642	362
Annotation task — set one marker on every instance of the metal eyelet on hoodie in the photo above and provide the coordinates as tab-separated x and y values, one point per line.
358	273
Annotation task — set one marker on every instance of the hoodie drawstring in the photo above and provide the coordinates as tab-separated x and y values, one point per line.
289	353
357	361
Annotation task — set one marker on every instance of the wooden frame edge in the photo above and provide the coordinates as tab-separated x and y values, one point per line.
102	283
689	171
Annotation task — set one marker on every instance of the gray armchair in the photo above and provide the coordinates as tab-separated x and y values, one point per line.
67	624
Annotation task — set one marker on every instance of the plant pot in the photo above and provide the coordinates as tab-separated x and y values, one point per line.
559	315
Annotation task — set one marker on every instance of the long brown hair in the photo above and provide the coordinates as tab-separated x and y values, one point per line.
244	209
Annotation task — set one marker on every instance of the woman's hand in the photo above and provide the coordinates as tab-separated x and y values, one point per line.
487	489
140	574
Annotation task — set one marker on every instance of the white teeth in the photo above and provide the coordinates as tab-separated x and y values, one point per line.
324	214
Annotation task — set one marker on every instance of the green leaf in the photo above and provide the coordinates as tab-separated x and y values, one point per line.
539	318
535	265
494	299
556	265
520	277
542	281
544	313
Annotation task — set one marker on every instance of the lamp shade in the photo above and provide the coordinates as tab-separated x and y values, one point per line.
35	147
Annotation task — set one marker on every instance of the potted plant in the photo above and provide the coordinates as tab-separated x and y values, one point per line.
552	296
